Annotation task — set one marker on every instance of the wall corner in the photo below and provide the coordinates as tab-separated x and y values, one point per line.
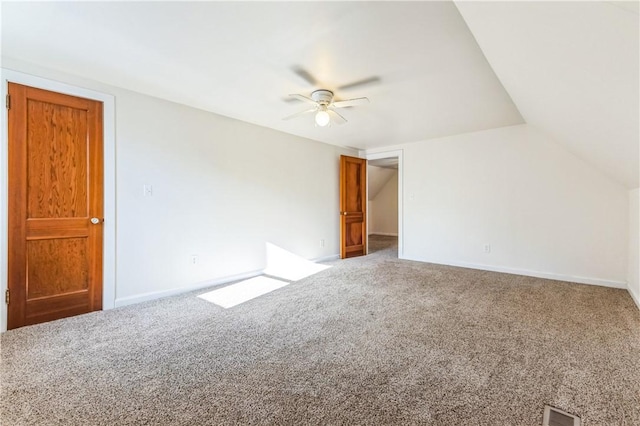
633	273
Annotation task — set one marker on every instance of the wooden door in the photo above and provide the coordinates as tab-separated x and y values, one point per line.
353	206
55	206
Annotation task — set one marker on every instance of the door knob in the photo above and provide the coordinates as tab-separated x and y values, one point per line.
95	220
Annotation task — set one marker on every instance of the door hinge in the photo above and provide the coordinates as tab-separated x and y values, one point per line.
6	296
8	101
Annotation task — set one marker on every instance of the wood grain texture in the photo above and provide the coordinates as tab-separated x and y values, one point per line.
353	196
56	307
38	229
17	204
56	160
57	267
56	186
353	206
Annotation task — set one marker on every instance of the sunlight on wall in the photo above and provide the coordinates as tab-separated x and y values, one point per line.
286	265
280	263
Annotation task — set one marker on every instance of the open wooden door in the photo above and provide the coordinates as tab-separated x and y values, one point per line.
55	206
353	206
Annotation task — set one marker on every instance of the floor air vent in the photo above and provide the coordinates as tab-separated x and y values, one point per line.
556	417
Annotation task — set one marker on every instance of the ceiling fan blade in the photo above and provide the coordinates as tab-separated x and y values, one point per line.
365	81
339	119
305	75
303	98
298	114
350	102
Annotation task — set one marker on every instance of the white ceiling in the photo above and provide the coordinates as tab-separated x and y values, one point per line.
236	59
569	67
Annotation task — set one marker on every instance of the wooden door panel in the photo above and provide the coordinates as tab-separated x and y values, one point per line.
57	267
55	184
39	229
353	196
354	236
56	307
56	161
353	226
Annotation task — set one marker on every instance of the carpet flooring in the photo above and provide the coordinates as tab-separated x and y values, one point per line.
371	341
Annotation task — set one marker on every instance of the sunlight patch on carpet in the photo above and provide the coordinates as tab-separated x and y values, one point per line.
286	265
243	291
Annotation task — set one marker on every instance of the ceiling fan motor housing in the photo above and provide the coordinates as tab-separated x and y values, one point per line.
322	96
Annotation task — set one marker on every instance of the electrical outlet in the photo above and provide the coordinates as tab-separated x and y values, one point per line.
147	190
194	259
322	243
487	248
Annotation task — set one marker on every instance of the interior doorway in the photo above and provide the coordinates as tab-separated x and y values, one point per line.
384	199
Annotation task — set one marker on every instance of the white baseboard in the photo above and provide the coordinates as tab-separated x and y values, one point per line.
125	301
537	274
635	298
326	258
385	234
131	300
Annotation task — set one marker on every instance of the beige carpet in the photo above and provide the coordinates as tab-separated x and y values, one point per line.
370	341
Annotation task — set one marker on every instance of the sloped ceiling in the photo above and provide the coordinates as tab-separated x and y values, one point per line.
237	59
377	178
572	70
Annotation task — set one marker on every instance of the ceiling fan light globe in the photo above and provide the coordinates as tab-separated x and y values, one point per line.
322	118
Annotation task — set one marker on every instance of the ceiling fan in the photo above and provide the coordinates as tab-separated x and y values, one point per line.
324	104
325	107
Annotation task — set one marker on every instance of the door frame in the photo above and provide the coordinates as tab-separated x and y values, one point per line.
390	154
109	242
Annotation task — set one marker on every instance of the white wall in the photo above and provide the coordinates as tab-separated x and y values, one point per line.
222	189
634	245
543	211
383	208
